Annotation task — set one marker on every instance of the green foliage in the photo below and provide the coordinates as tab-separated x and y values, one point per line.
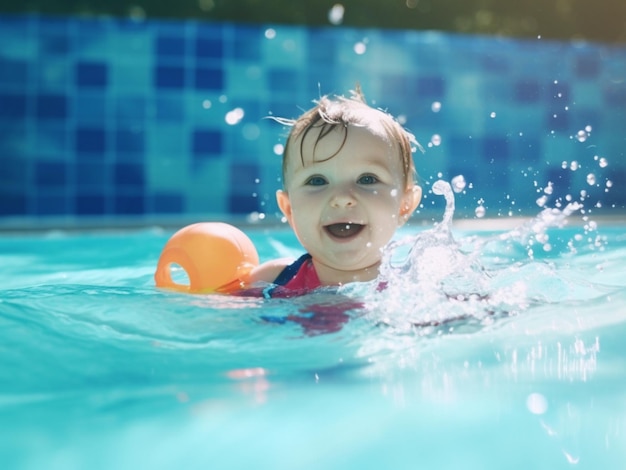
597	20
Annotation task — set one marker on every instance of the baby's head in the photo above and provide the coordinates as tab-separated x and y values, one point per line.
338	113
349	183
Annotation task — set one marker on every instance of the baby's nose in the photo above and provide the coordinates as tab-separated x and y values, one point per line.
343	199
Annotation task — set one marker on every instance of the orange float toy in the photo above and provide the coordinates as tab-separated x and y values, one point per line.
217	257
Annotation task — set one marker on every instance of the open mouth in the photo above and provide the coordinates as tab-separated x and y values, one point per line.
344	230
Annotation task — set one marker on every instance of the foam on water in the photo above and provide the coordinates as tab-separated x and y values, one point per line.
430	282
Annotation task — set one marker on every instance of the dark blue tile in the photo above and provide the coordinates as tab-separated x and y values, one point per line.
13	106
559	92
242	204
527	149
168	203
495	148
130	141
166	76
51	204
527	91
557	120
13	72
432	87
460	147
12	203
587	66
92	74
206	141
171	46
209	79
90	204
129	205
129	175
615	95
50	174
243	176
90	141
51	106
208	48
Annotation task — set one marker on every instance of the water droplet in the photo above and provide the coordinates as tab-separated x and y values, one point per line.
603	162
588	128
458	183
541	202
360	48
270	33
574	165
278	149
549	189
234	116
581	135
393	192
335	14
480	211
436	140
206	104
564	164
609	183
492	115
435	107
591	179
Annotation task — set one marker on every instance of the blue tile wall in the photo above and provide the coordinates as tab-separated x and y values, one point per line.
119	119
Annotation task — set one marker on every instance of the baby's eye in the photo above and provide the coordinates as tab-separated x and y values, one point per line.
368	179
316	181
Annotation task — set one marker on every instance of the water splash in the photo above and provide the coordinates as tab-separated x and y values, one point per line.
432	283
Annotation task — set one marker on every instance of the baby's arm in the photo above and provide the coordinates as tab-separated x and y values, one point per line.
269	271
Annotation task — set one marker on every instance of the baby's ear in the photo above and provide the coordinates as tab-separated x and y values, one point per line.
410	201
284	204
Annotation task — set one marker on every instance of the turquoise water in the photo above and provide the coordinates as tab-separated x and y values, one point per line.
488	349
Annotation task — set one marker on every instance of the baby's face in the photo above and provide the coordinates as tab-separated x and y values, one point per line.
345	209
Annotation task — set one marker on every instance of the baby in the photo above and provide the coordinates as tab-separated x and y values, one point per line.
348	184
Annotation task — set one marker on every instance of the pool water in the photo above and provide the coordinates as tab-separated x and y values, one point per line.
486	349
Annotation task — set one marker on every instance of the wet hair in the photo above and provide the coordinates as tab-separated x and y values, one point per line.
337	113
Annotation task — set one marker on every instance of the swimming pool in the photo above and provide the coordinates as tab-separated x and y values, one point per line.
505	350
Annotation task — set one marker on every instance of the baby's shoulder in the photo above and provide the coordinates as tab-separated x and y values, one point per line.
269	271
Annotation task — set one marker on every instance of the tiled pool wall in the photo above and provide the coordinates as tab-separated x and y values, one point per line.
115	119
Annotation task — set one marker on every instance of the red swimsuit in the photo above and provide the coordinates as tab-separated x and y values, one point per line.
298	278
